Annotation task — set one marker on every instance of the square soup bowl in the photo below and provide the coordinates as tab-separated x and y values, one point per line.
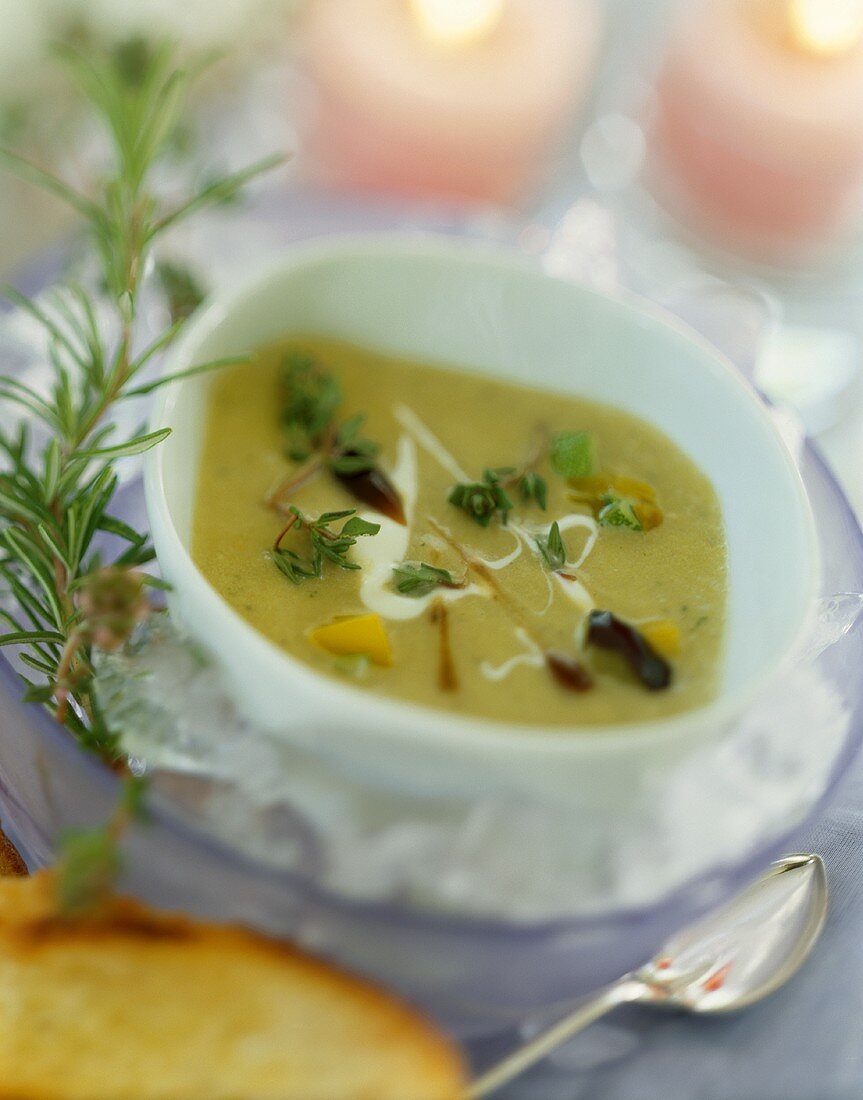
488	311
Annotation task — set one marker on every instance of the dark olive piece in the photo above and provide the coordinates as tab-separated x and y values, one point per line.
606	631
568	672
374	488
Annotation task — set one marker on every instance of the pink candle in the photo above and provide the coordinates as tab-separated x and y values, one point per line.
759	122
455	99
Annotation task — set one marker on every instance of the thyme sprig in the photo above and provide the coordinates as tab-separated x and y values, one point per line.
417	579
72	570
552	548
323	544
483	500
314	437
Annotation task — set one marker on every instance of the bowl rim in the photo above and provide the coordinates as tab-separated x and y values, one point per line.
403	720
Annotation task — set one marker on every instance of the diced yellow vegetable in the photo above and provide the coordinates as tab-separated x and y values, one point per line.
640	495
364	634
591	488
649	515
632	487
663	635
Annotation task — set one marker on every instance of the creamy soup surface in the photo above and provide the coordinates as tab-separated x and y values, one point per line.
480	648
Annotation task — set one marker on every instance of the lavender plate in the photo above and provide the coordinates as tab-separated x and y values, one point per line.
473	973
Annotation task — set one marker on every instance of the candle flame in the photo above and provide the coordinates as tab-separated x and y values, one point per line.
827	27
455	23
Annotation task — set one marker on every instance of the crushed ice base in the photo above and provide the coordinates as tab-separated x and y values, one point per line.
482	857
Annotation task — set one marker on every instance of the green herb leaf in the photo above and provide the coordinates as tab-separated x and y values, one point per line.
88	867
618	512
552	548
419	578
127	450
351	454
181	287
534	487
573	454
357	526
291	565
312	395
482	500
54	500
324	544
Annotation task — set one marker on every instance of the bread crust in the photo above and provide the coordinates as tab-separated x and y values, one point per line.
11	862
109	1008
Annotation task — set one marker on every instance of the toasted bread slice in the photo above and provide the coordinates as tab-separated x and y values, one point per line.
11	862
134	1005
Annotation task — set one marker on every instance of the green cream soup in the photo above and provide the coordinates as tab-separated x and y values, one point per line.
460	591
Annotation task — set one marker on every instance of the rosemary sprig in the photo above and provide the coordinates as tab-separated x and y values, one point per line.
71	569
324	544
181	287
90	858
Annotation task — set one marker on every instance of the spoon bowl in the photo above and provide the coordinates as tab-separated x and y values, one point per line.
746	950
727	961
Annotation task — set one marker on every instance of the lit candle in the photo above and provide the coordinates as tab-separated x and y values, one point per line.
759	122
458	99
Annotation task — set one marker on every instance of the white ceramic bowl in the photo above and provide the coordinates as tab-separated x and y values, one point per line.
491	311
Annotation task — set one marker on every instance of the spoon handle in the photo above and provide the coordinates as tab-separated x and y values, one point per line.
625	990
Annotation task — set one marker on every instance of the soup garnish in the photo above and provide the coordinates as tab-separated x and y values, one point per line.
578	580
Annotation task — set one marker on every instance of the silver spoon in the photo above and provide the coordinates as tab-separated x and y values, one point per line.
729	960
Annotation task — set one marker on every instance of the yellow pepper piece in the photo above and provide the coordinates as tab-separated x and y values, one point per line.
361	634
648	514
591	488
663	635
632	487
640	494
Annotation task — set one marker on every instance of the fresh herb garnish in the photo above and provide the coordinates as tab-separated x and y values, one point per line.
532	486
69	590
567	671
55	499
182	289
573	454
312	398
352	454
323	544
482	500
618	512
89	860
619	501
552	548
419	578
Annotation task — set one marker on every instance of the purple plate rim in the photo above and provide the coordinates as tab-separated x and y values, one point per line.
388	912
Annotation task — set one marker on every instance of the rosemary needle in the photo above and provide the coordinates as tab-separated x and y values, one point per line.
71	569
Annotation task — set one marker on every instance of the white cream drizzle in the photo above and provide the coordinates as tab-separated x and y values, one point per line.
378	556
532	656
428	441
502	563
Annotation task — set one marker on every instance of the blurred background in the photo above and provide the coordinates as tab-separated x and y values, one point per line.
706	154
